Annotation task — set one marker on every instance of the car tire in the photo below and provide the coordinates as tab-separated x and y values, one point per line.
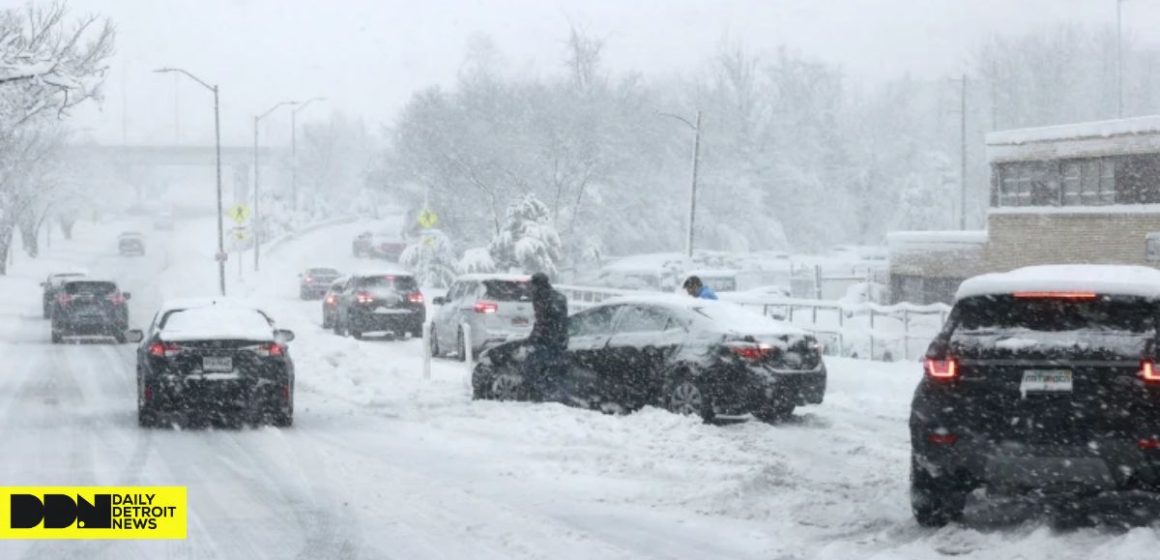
338	327
283	419
57	337
775	413
327	321
684	396
357	334
935	501
147	417
433	344
460	347
508	386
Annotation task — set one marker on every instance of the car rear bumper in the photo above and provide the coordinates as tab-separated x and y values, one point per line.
392	319
90	327
753	392
1017	468
224	395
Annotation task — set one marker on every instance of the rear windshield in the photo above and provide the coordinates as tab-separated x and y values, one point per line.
389	282
508	290
95	288
322	272
1115	323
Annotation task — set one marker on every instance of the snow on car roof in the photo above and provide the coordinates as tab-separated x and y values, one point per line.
64	274
482	277
1125	280
729	316
217	323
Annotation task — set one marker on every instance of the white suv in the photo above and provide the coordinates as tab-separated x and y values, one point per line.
496	307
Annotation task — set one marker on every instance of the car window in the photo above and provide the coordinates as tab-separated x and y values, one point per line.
507	290
639	318
389	282
94	288
593	321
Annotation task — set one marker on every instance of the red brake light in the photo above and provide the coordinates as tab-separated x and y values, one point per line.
117	298
309	279
942	438
1056	295
752	352
1149	373
364	297
415	297
63	298
164	349
486	307
330	299
943	371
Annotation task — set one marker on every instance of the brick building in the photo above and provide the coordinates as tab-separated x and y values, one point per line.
1083	193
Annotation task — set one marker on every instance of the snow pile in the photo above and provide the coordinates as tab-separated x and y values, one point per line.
1138	281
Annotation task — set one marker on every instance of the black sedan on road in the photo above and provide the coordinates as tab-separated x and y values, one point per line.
214	361
688	355
89	308
386	302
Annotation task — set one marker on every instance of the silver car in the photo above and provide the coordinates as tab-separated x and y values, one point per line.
496	307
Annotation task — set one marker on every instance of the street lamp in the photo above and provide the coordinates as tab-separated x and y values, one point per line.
696	160
257	175
294	149
1119	59
217	131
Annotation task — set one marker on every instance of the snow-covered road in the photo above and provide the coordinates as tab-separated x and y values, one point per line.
382	463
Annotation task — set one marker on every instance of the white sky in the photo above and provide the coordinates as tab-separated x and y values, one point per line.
368	56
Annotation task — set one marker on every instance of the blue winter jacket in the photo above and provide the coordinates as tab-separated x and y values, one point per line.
706	293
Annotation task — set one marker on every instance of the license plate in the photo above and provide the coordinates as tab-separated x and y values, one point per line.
520	321
1046	381
217	363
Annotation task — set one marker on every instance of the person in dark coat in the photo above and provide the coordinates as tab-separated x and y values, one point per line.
549	339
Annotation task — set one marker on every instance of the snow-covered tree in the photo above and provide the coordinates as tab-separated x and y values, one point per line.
527	241
431	258
476	260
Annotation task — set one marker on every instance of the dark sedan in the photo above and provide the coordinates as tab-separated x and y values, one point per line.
688	355
89	308
313	283
386	302
217	361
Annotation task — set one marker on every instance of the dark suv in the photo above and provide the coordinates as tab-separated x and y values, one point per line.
380	302
1043	381
89	308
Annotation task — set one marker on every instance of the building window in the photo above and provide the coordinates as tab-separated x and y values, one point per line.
1090	182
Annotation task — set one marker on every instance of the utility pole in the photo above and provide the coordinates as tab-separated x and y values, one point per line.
963	155
257	222
294	149
1119	59
217	131
693	186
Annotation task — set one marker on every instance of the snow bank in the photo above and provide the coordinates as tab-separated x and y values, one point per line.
1139	281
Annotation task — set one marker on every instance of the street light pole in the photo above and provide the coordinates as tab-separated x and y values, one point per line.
257	184
1119	59
693	186
294	149
217	131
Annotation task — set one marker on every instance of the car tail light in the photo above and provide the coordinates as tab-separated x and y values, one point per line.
415	297
1148	443
164	349
309	279
330	300
117	298
63	299
1056	295
364	297
944	370
751	351
271	349
148	393
942	438
486	307
1149	373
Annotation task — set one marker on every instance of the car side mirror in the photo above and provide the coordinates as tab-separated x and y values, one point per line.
134	335
126	295
439	300
283	335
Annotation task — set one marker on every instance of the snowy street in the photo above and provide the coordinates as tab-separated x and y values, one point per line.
384	464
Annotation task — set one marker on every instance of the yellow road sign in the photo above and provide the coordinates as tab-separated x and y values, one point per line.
239	212
428	218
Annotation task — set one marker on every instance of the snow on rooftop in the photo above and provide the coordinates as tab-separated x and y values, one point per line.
1096	129
1125	280
900	241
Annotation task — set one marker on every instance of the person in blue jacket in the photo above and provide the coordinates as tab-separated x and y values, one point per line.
697	289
